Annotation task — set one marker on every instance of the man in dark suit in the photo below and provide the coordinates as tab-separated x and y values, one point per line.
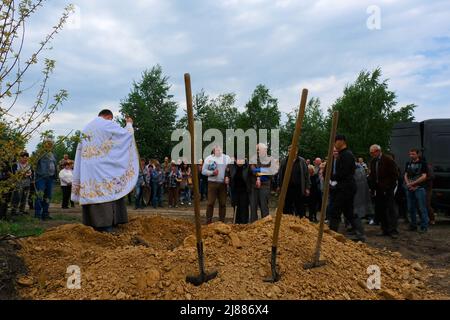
382	181
343	189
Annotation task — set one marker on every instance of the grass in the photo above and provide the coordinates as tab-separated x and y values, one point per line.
64	217
57	194
21	226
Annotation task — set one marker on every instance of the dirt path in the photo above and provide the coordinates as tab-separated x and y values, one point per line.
432	249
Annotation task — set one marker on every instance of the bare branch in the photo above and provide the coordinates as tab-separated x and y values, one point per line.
32	60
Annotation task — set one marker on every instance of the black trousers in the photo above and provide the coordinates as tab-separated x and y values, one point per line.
314	204
343	204
295	202
4	201
400	200
242	203
66	191
385	211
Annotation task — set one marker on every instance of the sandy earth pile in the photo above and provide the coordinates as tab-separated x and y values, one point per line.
150	257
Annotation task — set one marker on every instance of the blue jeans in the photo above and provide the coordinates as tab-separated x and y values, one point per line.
187	194
157	191
418	198
44	188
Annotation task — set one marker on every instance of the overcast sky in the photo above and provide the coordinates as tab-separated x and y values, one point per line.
231	46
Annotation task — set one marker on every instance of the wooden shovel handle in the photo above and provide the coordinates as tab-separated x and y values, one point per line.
290	163
190	112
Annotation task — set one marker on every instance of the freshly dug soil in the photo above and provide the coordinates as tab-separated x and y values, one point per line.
150	257
10	266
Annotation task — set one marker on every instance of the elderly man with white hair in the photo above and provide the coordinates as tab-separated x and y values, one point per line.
262	167
382	181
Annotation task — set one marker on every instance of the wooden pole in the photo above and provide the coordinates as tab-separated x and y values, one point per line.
316	258
286	179
203	276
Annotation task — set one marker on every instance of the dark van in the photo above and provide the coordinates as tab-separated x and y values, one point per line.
433	138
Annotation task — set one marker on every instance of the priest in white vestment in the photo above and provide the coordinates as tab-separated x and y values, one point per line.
106	170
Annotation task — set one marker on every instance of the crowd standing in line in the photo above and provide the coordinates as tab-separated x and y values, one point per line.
378	191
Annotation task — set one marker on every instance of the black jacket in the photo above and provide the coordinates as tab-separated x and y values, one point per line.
345	171
231	172
299	176
387	173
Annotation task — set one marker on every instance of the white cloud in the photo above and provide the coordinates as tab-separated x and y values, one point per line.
233	45
439	84
212	62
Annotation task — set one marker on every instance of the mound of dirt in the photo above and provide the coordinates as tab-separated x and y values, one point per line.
150	257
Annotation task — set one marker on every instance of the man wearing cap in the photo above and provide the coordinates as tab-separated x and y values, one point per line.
106	170
343	189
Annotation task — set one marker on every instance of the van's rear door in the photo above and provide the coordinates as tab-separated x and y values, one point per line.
437	152
404	137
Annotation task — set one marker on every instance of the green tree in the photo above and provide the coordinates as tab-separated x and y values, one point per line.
154	113
261	111
218	113
367	112
314	136
67	145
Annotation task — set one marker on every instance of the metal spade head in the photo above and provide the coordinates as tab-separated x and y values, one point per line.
312	265
274	278
201	278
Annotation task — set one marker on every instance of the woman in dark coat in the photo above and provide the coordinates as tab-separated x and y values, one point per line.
237	177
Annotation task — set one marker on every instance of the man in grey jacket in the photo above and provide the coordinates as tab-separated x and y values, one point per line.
46	172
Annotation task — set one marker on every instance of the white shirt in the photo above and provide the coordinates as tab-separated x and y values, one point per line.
65	176
221	163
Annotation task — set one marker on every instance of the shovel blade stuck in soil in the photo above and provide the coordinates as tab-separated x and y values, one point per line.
312	265
273	263
201	278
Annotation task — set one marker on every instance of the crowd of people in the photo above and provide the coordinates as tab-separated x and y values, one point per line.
34	186
378	192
